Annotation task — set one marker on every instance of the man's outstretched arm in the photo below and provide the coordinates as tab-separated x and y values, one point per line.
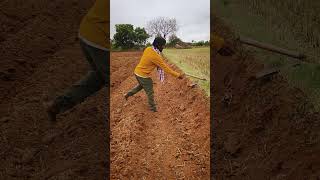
160	62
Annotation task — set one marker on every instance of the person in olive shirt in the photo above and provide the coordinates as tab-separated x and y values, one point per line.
94	41
150	60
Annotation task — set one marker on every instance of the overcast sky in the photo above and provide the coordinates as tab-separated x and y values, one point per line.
193	16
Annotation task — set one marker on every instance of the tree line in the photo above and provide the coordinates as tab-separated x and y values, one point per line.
129	37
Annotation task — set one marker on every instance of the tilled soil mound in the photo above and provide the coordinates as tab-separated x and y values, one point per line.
40	57
263	128
172	143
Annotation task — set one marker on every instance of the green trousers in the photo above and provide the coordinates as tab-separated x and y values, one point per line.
93	81
147	85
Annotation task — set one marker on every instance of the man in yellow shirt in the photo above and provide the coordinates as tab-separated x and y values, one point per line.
150	60
94	41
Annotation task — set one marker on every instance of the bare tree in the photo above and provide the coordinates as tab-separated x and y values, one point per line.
162	26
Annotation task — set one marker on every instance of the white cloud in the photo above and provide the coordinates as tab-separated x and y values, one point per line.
193	16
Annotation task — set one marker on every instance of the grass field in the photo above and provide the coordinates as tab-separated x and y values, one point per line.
195	61
284	24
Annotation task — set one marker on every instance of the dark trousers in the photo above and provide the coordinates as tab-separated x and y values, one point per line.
93	81
147	85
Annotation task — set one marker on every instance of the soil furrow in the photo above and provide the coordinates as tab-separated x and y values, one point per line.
170	144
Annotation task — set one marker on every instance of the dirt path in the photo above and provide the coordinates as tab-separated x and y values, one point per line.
40	57
170	144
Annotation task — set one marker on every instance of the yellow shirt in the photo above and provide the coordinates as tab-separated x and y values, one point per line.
95	25
149	61
217	42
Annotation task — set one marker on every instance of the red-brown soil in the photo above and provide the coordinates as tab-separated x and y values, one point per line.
172	143
266	130
40	57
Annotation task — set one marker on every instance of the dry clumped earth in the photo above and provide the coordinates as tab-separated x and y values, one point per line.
170	144
263	129
267	131
40	57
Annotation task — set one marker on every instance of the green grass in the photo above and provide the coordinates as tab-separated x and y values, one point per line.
195	61
274	23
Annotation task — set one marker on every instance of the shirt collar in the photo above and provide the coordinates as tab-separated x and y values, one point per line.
155	49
